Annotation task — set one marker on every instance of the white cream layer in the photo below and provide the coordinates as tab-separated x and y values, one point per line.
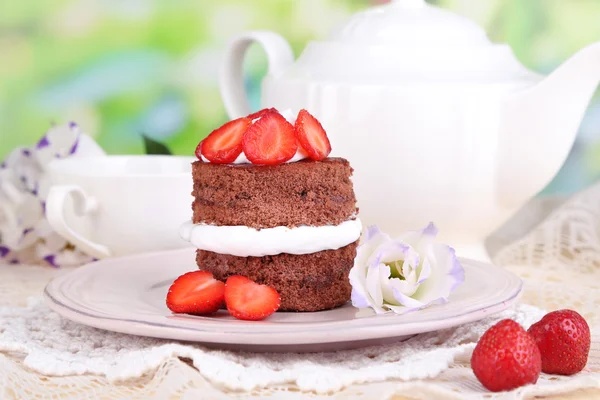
241	159
243	241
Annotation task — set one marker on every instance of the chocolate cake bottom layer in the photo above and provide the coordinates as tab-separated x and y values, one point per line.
308	282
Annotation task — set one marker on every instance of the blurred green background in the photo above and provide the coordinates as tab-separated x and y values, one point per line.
123	68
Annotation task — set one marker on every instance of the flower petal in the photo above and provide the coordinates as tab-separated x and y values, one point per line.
410	264
421	238
371	232
390	251
360	297
357	281
43	142
430	230
364	251
86	147
406	301
448	274
374	286
457	272
385	282
51	259
425	270
404	287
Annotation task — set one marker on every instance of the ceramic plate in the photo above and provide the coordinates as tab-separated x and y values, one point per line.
128	295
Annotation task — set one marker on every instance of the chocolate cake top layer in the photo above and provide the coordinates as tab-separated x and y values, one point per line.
306	192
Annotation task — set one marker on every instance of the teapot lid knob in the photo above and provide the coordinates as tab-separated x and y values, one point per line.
411	23
409	3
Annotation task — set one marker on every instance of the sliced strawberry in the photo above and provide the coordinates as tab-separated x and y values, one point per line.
312	136
303	153
270	140
248	300
196	292
198	151
224	144
262	113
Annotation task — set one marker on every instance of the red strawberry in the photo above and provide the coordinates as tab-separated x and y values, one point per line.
312	136
270	140
563	338
506	357
198	151
224	144
196	292
261	113
248	300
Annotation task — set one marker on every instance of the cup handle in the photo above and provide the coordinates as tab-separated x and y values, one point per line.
279	57
83	205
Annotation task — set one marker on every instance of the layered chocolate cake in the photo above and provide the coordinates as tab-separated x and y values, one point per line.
279	212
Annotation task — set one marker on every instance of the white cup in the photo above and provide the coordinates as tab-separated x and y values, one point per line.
118	205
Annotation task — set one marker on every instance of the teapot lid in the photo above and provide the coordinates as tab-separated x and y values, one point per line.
411	22
411	39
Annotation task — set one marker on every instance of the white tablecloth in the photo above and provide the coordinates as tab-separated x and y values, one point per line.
555	250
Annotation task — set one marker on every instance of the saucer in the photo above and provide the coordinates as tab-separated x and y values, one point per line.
127	295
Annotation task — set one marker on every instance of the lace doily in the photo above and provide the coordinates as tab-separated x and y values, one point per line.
57	347
558	238
557	256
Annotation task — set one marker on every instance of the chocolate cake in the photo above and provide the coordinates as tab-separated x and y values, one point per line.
301	193
292	226
308	282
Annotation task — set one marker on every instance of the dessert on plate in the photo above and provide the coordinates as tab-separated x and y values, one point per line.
271	206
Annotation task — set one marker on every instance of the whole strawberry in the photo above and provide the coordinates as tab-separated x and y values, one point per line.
506	357
563	338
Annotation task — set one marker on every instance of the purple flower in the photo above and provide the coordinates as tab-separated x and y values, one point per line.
51	259
26	231
74	147
25	235
65	141
4	251
44	142
404	274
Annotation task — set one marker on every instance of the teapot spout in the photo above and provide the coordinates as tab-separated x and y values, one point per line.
540	124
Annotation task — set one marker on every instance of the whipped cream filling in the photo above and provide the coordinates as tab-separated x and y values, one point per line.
241	159
243	241
300	155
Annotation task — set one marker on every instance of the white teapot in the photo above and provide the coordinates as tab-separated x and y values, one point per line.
438	123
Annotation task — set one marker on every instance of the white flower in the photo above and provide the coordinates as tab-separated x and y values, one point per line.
404	274
25	235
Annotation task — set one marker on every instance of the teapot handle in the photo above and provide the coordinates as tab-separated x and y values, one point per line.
279	56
